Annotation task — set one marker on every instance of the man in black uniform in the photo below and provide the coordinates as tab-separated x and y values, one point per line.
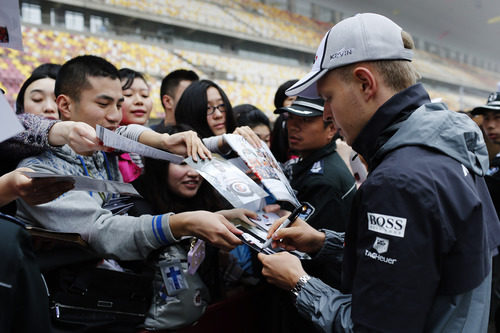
321	181
418	246
491	127
318	170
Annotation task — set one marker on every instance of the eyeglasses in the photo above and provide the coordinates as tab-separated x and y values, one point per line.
211	109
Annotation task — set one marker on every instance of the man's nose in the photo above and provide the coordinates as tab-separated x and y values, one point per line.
115	114
327	113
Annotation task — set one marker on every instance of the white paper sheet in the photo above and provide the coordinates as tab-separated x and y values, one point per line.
9	124
116	141
84	183
10	25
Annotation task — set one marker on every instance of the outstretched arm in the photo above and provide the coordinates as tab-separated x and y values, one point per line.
15	185
41	134
211	227
80	136
184	143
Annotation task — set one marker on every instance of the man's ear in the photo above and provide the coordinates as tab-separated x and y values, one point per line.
65	106
366	81
331	131
168	102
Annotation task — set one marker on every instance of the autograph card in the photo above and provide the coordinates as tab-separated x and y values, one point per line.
10	25
228	180
9	124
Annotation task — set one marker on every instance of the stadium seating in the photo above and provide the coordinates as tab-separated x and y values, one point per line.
249	17
245	81
254	82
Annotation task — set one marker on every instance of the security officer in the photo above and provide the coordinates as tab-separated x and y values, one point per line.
319	168
319	176
321	181
491	126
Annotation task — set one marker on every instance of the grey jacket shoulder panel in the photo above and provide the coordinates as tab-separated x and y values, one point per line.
449	132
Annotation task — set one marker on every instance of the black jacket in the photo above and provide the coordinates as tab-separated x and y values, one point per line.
324	182
423	224
24	303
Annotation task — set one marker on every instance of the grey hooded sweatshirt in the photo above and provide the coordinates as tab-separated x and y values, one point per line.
116	236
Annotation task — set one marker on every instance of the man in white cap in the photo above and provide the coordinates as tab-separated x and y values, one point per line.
418	247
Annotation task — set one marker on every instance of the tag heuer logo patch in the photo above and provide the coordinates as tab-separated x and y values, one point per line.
317	167
381	245
386	224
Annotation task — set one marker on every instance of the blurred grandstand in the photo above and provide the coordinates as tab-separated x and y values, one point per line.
247	46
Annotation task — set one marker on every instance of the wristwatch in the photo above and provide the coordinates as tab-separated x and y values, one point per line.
300	284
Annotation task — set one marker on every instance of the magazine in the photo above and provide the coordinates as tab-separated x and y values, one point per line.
264	166
85	183
228	180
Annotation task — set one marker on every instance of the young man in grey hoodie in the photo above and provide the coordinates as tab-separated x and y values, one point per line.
418	247
88	89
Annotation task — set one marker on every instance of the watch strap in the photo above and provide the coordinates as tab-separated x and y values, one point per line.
300	284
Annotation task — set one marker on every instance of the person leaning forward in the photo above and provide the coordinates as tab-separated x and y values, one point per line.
419	242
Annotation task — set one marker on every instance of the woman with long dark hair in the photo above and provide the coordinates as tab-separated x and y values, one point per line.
205	107
36	95
168	187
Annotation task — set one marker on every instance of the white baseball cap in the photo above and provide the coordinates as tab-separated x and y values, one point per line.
363	37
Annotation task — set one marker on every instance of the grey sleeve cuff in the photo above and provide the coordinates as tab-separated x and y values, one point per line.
333	247
213	146
161	229
132	131
327	308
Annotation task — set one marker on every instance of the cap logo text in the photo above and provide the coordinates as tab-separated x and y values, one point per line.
340	54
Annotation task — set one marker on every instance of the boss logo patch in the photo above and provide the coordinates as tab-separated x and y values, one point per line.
387	225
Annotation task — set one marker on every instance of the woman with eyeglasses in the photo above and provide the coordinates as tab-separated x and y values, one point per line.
206	109
204	106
